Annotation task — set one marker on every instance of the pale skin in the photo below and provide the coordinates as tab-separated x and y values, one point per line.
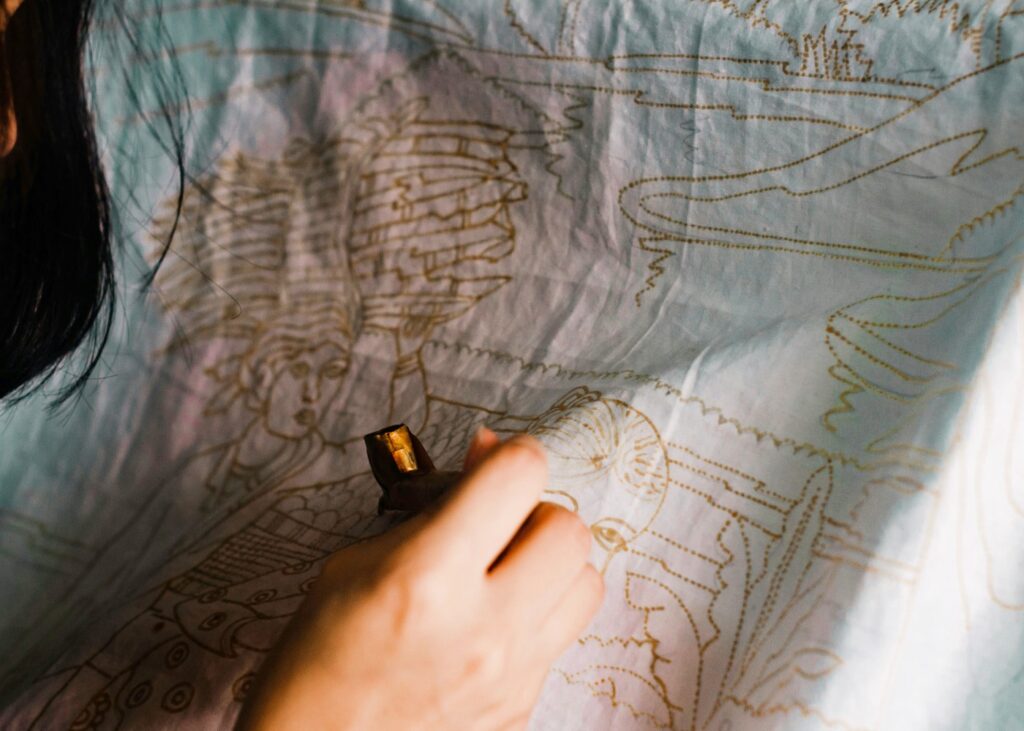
449	621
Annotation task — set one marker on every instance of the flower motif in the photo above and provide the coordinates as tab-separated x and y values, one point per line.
590	437
598	449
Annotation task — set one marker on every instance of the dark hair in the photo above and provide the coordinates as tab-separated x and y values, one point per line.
57	272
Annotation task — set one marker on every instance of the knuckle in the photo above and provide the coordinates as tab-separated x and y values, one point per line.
572	530
582	535
486	663
409	592
546	511
593	584
426	588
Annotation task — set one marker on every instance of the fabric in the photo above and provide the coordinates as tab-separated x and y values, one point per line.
750	269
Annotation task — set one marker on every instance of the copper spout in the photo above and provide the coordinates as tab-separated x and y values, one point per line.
404	470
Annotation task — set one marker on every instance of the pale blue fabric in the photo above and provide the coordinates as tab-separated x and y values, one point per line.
740	265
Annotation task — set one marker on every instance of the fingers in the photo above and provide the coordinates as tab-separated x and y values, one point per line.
483	442
543	559
573	613
485	510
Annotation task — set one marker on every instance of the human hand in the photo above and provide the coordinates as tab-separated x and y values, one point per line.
449	621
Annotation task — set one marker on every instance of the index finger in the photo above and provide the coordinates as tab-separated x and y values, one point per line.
486	509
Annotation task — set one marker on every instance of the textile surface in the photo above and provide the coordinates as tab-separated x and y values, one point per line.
750	269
